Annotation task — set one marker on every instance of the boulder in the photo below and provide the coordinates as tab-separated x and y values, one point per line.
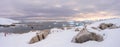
94	28
96	37
36	39
103	26
44	33
84	35
77	29
63	28
113	26
39	36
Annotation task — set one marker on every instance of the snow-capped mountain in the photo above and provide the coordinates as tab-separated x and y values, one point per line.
6	21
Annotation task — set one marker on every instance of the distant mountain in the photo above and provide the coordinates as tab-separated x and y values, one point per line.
6	21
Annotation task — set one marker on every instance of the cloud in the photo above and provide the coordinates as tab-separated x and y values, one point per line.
32	9
94	16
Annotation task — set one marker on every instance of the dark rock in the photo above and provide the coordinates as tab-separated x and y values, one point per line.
77	29
103	26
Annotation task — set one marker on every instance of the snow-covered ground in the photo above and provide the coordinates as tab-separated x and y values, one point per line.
63	38
6	21
114	21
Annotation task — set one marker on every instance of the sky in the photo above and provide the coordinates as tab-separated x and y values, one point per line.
77	10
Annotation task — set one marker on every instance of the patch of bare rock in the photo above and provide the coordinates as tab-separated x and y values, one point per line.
84	35
39	36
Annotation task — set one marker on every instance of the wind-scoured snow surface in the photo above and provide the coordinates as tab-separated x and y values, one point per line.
6	21
63	38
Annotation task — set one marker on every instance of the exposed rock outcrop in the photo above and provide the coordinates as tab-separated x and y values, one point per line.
95	28
39	36
103	26
84	35
77	29
54	30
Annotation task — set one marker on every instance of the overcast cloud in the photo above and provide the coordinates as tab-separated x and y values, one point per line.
59	9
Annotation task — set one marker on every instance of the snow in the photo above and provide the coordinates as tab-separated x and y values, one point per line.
6	21
16	40
63	38
112	38
54	30
114	21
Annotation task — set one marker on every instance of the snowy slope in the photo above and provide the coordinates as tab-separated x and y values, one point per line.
114	21
6	21
63	38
